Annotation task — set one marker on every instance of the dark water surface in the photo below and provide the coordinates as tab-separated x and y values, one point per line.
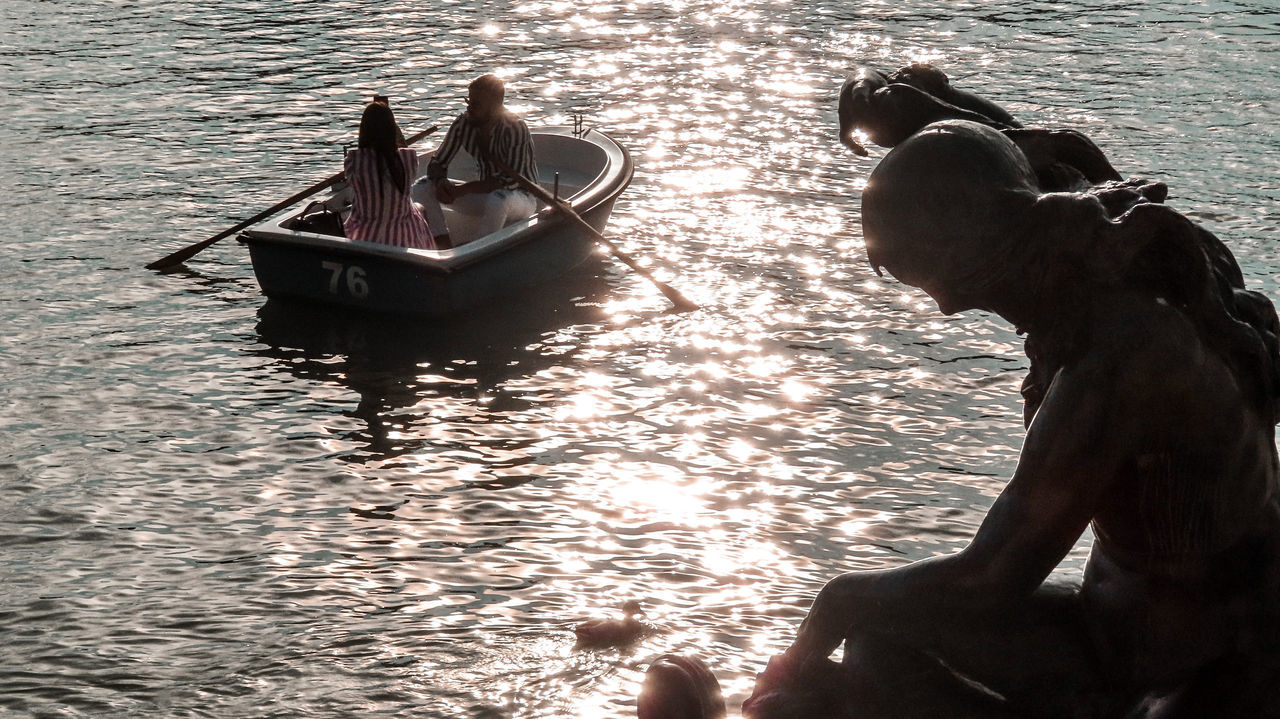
213	505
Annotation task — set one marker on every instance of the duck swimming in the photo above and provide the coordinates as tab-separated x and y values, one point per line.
612	632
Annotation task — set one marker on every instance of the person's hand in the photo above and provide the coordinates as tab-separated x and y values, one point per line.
446	191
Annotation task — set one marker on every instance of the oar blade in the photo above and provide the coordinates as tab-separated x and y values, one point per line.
182	255
679	302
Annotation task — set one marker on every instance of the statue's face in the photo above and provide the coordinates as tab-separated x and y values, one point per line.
855	104
930	275
941	209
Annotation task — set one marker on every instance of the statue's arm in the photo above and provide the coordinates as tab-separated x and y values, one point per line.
1069	460
1074	149
1074	449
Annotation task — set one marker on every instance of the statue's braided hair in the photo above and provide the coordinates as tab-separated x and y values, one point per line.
1161	251
955	197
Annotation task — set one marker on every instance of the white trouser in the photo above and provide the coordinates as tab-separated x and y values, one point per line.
490	211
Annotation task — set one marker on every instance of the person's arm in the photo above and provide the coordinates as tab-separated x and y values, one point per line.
1071	456
512	143
518	150
438	167
348	160
410	159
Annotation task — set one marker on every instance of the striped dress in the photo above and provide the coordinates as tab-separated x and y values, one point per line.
380	212
509	141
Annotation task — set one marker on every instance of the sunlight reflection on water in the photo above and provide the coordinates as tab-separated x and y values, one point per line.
228	506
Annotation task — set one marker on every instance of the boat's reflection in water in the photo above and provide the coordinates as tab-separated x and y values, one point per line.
423	382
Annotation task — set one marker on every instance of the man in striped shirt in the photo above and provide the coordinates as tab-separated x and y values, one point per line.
491	134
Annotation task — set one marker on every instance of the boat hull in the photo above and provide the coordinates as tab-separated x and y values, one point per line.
438	283
341	275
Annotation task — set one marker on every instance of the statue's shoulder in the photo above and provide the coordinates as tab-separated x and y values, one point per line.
1153	353
1138	323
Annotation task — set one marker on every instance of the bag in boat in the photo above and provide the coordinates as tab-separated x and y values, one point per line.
318	218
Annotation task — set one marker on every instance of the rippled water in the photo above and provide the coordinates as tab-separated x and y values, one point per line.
220	506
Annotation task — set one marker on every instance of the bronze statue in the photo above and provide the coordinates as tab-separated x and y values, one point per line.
1151	406
890	107
1150	409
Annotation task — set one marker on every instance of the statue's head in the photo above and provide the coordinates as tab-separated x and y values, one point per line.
945	207
854	107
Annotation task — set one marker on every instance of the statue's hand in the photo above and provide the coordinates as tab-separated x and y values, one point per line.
789	688
793	680
1120	197
828	620
773	686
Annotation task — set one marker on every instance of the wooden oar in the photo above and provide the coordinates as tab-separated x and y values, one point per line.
190	251
681	303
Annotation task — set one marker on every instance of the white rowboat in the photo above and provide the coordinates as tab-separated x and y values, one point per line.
586	168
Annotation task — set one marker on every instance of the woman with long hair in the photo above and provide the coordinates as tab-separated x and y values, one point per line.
380	173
